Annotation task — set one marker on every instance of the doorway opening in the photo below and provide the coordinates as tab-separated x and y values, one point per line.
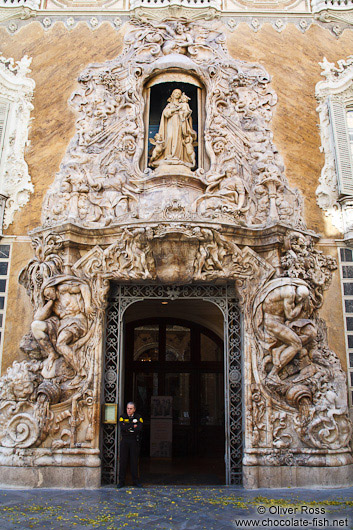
177	361
176	348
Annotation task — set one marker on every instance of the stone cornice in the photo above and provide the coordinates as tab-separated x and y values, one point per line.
84	238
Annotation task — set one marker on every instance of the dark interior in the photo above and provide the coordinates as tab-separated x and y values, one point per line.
184	360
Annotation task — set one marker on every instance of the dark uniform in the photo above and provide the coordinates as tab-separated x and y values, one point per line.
129	446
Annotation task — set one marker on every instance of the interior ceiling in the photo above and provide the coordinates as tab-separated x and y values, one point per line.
198	311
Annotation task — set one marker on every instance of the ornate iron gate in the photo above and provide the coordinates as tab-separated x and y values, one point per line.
224	297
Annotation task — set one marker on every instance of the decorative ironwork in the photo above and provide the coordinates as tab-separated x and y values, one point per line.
234	387
224	297
110	394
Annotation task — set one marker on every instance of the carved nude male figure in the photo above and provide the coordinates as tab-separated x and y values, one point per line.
285	307
62	320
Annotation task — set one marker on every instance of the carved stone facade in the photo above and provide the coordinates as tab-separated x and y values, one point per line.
16	93
103	178
230	216
335	95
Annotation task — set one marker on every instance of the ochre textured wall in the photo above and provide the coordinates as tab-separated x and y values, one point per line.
60	55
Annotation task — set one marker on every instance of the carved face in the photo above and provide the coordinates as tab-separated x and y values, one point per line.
22	389
50	293
176	94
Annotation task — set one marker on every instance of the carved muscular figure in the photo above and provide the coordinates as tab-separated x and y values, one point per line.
62	320
286	307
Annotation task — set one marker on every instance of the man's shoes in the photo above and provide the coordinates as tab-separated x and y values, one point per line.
121	485
138	485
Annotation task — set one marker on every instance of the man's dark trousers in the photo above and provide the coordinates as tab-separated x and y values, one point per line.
129	451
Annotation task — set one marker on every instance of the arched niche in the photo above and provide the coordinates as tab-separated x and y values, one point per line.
157	91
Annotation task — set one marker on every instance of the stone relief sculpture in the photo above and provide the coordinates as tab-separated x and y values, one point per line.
283	311
102	176
294	362
59	356
17	90
175	138
224	193
62	321
107	218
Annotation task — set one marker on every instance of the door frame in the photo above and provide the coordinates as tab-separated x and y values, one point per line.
121	297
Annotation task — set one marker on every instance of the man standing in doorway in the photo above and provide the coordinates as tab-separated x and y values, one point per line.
130	428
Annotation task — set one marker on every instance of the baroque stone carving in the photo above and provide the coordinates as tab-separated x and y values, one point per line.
221	218
149	253
294	363
338	84
339	15
16	91
44	395
103	175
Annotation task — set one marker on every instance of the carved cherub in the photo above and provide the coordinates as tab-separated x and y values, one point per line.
159	143
189	148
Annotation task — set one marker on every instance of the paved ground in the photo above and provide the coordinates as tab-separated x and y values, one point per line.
175	508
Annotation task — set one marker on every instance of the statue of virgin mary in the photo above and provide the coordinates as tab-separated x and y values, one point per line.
174	142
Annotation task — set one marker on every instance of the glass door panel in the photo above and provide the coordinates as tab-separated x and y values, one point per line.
145	386
178	386
210	350
146	343
177	343
211	399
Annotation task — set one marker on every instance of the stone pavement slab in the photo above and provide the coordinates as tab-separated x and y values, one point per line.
175	508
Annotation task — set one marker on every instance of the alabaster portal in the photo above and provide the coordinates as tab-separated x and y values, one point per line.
159	223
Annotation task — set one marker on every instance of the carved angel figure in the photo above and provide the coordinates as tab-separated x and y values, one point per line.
176	133
179	40
62	320
158	142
